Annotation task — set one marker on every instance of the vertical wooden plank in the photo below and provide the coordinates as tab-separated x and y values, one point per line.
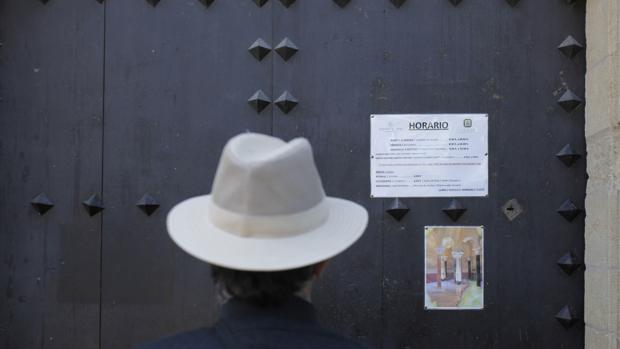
51	61
489	57
434	64
177	86
336	77
549	235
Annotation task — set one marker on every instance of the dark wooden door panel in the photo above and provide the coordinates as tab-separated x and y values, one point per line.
51	62
335	76
178	77
490	57
433	57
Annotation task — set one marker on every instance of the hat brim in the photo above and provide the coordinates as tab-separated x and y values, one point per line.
190	228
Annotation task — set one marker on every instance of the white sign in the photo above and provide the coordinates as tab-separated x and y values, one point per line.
429	155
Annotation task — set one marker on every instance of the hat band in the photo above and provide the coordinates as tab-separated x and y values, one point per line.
270	226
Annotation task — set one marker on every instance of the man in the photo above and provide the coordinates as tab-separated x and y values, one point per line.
267	229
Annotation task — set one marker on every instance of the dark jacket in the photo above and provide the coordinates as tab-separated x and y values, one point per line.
242	325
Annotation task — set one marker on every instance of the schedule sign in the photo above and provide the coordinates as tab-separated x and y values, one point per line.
429	155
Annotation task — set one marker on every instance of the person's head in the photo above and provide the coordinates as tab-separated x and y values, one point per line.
265	288
267	214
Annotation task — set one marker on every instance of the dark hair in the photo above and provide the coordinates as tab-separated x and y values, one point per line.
261	288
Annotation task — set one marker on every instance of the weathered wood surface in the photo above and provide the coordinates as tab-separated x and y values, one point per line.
51	77
177	79
176	90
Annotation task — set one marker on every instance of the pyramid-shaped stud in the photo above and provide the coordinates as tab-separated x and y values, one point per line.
93	205
566	317
455	2
569	263
287	3
153	2
569	101
512	3
341	3
147	204
42	203
207	3
397	3
454	210
512	209
260	3
397	209
570	47
286	102
259	49
259	101
568	210
567	155
286	49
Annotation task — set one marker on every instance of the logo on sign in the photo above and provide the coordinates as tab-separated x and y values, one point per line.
467	122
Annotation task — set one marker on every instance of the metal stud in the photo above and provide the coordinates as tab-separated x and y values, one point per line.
260	3
42	203
259	101
341	3
512	3
286	102
398	3
287	3
566	317
286	49
567	155
568	210
569	263
570	47
512	209
259	49
569	101
147	204
454	210
153	2
93	205
455	2
397	209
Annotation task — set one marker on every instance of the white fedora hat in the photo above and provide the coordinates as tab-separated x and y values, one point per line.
267	210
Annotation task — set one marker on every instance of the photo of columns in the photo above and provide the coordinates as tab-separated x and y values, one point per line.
454	267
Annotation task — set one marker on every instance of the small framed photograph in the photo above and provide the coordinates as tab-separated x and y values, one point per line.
454	267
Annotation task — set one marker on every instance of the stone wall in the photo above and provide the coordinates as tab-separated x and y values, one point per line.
603	194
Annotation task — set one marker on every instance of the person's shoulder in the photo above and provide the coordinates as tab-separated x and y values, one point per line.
203	338
346	343
339	341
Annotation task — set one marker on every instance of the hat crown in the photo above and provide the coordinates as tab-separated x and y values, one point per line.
260	175
267	210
